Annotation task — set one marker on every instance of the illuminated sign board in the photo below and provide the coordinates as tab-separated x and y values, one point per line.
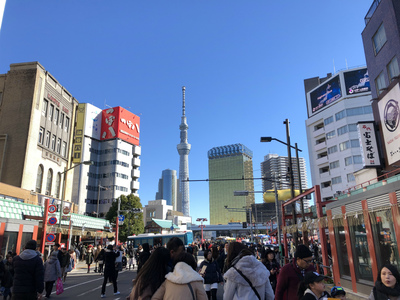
325	94
357	81
117	122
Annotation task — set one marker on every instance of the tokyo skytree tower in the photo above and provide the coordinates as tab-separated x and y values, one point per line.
183	150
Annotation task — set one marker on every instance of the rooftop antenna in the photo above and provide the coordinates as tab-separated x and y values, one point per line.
183	100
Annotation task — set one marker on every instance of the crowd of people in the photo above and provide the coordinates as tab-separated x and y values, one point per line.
173	272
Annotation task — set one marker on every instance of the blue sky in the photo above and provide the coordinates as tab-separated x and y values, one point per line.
243	64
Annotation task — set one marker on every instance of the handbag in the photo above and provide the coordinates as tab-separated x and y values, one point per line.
59	287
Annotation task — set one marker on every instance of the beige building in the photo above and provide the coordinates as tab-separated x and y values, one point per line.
36	119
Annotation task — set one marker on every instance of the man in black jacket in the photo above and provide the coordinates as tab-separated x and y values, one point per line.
28	274
109	270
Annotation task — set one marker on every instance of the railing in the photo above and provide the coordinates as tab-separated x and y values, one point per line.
371	11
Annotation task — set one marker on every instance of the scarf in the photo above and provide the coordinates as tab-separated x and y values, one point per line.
381	291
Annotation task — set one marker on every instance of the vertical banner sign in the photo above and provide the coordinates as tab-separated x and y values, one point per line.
389	113
368	145
78	140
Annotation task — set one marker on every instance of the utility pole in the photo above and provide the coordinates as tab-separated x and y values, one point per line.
117	222
278	227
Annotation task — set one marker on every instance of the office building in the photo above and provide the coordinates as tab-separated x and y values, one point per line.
36	122
183	150
230	169
381	39
336	105
168	187
109	138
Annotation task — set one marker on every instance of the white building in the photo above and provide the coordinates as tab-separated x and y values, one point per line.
335	105
109	138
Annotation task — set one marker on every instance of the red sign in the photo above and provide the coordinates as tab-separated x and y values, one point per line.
119	123
52	208
52	220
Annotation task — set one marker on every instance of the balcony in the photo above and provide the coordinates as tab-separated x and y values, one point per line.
137	150
322	160
135	185
135	173
324	175
318	132
136	162
320	146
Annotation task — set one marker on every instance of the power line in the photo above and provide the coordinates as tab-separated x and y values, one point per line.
230	179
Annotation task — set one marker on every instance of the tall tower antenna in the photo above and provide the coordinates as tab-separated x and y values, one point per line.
183	150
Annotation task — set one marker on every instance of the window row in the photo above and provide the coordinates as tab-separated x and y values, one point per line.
102	201
392	71
52	142
111	162
355	111
55	115
49	182
107	175
114	150
346	128
110	187
349	144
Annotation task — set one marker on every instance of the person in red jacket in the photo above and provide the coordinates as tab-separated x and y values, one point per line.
293	273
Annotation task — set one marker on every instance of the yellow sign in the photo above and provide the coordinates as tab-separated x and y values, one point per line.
269	196
78	140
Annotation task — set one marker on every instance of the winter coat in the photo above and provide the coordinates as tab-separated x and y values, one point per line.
372	296
143	257
64	259
52	269
28	272
7	278
109	260
213	273
289	280
236	287
89	257
274	265
309	295
100	257
176	284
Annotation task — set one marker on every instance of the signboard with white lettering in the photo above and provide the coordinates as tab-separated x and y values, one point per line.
369	147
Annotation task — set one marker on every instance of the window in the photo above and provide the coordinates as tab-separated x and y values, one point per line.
348	161
51	110
350	177
393	69
328	120
53	143
61	120
336	180
330	134
352	127
334	165
379	39
355	111
66	125
367	109
332	149
380	83
340	115
64	149
355	143
58	185
47	142
39	179
345	145
342	130
41	135
357	159
49	182
58	146
56	114
44	107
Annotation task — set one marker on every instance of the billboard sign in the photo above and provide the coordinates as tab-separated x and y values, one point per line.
357	81
325	94
119	123
92	121
389	113
78	138
369	147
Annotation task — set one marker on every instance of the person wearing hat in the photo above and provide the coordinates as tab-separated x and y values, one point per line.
313	287
387	285
28	273
338	293
293	273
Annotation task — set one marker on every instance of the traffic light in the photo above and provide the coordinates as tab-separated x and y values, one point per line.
244	224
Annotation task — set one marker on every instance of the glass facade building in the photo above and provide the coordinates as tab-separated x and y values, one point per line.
167	187
230	169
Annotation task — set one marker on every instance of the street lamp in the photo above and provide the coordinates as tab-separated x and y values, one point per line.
202	226
89	163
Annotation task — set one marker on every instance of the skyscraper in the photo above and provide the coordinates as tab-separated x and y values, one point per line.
183	150
230	169
168	187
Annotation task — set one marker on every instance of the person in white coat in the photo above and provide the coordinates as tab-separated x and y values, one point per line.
246	278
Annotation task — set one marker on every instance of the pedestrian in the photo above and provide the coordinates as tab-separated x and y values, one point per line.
28	274
83	252
72	259
96	253
89	257
175	247
211	274
52	271
100	260
118	261
268	259
143	256
293	273
183	283
109	270
387	285
338	292
78	254
246	278
65	260
313	287
7	278
151	276
130	254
